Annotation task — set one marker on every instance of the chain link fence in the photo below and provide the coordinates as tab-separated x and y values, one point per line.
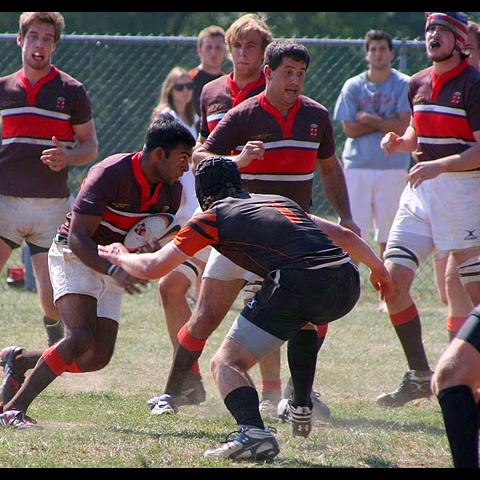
124	74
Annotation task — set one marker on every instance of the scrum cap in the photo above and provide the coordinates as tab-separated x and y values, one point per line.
216	178
456	22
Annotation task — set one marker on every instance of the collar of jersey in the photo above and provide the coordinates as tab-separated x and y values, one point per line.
32	92
147	200
438	81
239	95
285	123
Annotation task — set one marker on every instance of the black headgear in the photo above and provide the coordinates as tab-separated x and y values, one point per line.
216	178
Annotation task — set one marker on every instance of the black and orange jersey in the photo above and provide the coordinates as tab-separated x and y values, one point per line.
446	110
31	115
116	190
200	78
222	94
293	145
261	233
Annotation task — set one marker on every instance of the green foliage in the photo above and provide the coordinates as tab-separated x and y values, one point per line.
283	24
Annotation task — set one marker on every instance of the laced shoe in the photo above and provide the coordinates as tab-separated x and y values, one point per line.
415	384
248	443
299	417
17	419
164	405
321	412
12	381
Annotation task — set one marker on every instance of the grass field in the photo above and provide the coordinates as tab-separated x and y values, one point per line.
101	419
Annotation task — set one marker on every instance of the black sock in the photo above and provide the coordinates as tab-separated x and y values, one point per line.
460	416
243	403
182	363
302	359
410	335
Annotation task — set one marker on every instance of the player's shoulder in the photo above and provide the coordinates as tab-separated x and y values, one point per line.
421	75
311	104
356	81
400	76
215	85
113	164
9	78
68	79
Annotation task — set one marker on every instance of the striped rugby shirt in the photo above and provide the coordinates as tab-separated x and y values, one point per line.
261	233
31	115
446	110
293	145
116	190
222	94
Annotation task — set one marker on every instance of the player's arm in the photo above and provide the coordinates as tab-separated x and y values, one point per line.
335	188
82	228
467	160
397	123
355	129
149	266
84	152
359	251
393	143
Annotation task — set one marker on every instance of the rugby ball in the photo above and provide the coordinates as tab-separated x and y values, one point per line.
160	227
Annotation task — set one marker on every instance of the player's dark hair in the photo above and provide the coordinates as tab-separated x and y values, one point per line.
216	178
168	133
280	49
378	35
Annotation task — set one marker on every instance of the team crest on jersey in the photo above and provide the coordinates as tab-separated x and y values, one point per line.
313	130
215	107
457	97
60	103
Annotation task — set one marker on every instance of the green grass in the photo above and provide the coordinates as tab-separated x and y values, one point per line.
101	419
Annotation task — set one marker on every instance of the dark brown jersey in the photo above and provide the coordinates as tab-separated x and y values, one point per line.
116	190
31	115
293	145
222	94
261	233
446	110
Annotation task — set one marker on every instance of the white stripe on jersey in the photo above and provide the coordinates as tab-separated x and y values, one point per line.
35	111
286	144
128	214
215	116
113	228
34	141
277	177
444	141
440	109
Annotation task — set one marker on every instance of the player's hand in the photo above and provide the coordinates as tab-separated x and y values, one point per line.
131	284
351	225
56	158
253	150
391	143
424	171
382	282
112	252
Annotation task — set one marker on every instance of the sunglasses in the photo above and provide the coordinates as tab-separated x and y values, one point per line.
180	86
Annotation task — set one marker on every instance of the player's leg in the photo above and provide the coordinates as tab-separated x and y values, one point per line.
458	301
51	318
456	378
405	252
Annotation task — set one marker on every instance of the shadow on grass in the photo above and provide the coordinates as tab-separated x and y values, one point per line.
386	425
184	434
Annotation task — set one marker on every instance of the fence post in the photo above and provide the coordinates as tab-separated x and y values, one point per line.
403	57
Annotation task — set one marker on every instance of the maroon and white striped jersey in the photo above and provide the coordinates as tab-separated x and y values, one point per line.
116	190
31	115
446	110
222	94
293	145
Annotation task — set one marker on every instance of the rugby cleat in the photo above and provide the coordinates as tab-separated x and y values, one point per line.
165	405
299	417
249	443
321	412
11	380
17	419
415	385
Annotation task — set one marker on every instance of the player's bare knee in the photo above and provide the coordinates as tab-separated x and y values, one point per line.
449	372
170	290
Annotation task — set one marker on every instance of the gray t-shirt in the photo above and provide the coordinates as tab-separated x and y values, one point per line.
383	99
